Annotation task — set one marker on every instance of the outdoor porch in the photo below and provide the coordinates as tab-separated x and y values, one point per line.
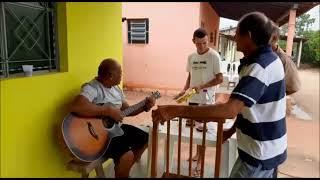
303	135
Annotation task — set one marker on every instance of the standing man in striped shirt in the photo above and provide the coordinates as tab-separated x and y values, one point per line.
258	101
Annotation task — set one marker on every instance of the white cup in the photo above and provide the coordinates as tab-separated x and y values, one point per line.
27	69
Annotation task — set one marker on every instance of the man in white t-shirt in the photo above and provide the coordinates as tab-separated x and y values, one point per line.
102	97
204	74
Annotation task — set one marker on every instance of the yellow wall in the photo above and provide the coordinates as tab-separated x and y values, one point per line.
32	106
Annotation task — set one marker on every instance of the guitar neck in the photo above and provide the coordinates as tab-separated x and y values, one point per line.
133	108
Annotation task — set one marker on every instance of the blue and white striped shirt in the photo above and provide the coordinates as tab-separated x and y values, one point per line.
261	125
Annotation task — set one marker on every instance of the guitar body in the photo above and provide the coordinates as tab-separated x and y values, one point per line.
87	138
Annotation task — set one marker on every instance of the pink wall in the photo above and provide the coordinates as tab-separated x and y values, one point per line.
161	64
211	21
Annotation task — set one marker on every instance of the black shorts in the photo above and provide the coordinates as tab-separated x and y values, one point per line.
133	139
193	104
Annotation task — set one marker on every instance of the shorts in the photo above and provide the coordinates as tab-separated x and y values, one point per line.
243	170
132	139
193	104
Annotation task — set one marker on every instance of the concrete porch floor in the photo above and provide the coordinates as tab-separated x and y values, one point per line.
303	135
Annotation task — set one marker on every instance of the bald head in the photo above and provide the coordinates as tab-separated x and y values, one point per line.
107	67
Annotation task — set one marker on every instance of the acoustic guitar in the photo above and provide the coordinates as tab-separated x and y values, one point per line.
89	138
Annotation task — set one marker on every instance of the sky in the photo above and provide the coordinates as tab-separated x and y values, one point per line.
314	13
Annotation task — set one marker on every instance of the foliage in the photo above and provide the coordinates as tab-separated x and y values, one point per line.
311	48
303	24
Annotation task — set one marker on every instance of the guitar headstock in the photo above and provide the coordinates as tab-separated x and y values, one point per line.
156	94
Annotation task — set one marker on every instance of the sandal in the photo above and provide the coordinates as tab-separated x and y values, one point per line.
197	170
199	128
188	122
194	158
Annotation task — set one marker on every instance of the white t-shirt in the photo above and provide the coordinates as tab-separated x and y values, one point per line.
203	68
96	93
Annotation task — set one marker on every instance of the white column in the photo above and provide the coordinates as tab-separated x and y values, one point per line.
291	30
299	54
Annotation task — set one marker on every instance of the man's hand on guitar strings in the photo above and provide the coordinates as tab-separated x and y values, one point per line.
115	114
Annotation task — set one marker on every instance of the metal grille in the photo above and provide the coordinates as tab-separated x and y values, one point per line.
138	31
27	36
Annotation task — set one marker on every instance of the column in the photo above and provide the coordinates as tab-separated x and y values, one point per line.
291	30
299	54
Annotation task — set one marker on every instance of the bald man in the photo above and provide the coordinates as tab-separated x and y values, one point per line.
125	150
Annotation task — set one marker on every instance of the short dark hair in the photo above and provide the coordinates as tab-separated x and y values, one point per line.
200	33
106	67
259	25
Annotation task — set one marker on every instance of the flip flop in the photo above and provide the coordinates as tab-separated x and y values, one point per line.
197	170
193	159
188	123
200	130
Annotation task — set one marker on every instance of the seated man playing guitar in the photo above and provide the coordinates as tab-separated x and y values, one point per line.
125	150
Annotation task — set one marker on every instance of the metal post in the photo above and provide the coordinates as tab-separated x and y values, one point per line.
4	42
48	36
1	41
291	29
299	54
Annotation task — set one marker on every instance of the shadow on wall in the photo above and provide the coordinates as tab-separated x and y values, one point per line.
61	111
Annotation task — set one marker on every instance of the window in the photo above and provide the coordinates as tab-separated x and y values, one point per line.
27	37
138	31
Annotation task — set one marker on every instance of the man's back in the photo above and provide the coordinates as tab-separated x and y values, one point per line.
293	83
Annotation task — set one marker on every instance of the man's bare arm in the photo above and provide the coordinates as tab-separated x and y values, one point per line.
125	105
227	110
187	85
82	107
218	79
149	103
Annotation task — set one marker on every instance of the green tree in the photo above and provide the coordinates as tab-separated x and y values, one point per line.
303	23
311	48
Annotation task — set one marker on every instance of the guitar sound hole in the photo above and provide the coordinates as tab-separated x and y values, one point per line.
108	122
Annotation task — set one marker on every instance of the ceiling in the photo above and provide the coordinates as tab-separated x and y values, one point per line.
277	11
